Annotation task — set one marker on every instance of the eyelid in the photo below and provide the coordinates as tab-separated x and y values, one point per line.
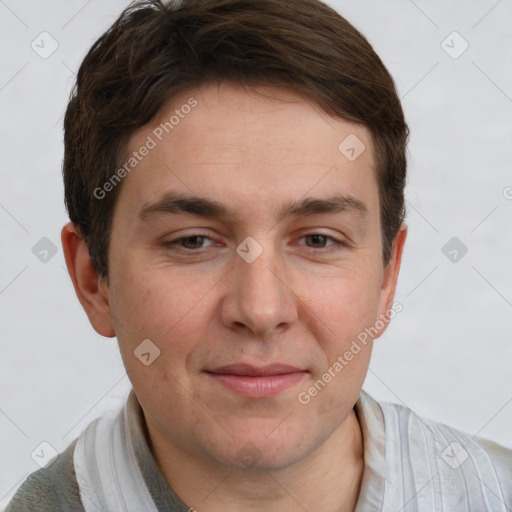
330	237
176	241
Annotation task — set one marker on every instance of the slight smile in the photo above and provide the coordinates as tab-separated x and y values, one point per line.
255	382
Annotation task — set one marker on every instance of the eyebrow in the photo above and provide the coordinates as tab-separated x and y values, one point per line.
175	203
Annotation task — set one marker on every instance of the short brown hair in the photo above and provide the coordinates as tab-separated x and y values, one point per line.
157	49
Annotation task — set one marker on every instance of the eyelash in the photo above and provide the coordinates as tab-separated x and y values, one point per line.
174	244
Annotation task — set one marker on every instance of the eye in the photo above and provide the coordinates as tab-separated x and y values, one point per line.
188	243
319	240
194	243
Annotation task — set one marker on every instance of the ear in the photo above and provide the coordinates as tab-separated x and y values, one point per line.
91	290
390	278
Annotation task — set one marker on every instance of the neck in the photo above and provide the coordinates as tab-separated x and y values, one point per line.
328	479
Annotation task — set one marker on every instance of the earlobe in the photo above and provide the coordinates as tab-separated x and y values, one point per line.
89	288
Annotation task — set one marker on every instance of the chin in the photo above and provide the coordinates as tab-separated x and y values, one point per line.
261	452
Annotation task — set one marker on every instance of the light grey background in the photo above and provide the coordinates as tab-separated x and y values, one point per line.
447	355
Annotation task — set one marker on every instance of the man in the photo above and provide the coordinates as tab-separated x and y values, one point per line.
234	174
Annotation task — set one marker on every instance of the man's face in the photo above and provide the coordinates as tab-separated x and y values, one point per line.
288	295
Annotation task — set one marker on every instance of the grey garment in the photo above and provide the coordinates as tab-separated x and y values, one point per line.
54	488
50	489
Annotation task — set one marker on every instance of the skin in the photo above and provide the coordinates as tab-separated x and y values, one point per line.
301	302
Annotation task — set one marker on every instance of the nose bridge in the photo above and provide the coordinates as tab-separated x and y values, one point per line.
258	296
261	282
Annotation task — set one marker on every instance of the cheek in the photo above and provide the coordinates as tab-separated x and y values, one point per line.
166	307
345	306
169	316
342	318
155	301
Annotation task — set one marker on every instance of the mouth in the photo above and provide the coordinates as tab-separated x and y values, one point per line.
257	382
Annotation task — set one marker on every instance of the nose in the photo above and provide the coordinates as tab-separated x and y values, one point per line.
259	296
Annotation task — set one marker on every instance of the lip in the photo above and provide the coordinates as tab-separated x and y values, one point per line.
257	382
255	371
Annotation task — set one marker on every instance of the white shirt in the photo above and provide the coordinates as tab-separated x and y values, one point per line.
414	464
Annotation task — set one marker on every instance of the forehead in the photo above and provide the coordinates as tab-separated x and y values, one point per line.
256	147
